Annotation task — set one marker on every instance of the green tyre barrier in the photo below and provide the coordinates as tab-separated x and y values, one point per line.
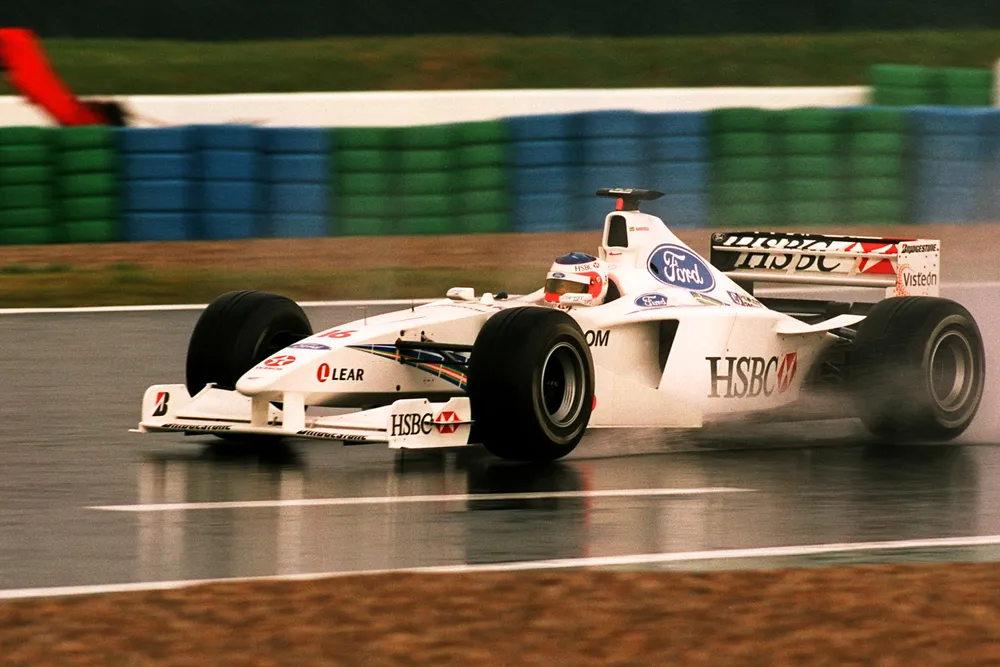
365	160
425	160
485	223
364	226
26	175
812	120
26	196
814	212
746	215
87	185
482	201
810	144
426	136
359	183
876	143
27	235
85	137
363	138
90	231
366	206
427	224
876	188
904	97
901	76
872	211
481	178
868	166
88	208
484	132
758	168
425	206
481	155
425	183
26	136
736	193
741	120
87	161
812	189
877	119
739	144
37	154
27	217
966	97
813	166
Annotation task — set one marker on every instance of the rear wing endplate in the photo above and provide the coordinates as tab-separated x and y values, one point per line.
901	267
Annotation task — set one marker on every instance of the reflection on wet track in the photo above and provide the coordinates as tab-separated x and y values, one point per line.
71	478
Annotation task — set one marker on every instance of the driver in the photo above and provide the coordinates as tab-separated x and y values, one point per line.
577	273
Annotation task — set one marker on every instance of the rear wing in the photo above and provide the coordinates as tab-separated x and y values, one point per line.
902	267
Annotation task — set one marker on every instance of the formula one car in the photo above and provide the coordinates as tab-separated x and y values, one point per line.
645	334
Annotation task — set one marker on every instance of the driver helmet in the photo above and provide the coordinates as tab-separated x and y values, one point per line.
577	273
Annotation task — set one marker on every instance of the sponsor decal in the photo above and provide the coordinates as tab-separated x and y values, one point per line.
279	361
332	436
749	377
580	268
324	373
447	422
871	264
910	278
310	346
779	262
412	423
744	300
707	300
199	427
680	267
338	333
920	247
651	300
558	275
162	400
597	338
638	229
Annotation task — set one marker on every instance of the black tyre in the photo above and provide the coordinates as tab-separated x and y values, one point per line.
918	369
236	332
531	384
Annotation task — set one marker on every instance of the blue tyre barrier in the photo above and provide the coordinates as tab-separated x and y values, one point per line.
225	226
949	173
542	180
316	140
676	177
948	204
545	126
143	226
538	213
542	153
157	196
682	211
951	147
620	150
156	166
677	123
677	149
605	124
298	198
231	196
229	165
297	168
228	137
591	178
154	140
298	225
949	121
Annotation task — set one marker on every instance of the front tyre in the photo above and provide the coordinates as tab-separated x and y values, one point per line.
918	369
531	384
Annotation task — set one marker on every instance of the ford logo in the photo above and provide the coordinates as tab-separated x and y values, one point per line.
651	300
673	265
310	346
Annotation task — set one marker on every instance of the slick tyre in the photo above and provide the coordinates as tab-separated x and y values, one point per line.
236	332
531	384
918	369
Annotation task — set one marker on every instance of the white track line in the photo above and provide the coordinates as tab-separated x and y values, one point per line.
391	500
201	306
564	563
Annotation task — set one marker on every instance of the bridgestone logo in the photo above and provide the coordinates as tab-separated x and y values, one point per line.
926	247
332	436
199	427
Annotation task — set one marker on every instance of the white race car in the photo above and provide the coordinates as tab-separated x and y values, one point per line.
658	337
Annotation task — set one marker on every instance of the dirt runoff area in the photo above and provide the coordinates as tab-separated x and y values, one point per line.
871	615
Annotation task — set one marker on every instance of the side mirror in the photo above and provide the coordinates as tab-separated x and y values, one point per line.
461	293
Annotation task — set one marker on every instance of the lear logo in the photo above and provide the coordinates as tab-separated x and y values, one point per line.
162	399
651	300
597	338
674	265
412	423
749	377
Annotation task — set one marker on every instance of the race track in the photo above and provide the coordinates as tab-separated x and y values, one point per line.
85	502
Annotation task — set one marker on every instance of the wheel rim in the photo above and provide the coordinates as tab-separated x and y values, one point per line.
562	384
953	370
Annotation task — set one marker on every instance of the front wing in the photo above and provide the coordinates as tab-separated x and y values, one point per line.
405	424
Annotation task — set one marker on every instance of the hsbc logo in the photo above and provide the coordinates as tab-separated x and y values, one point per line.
447	422
413	423
750	377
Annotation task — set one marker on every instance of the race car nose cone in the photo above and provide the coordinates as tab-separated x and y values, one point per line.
252	383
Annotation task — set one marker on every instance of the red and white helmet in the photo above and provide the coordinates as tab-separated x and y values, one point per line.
577	273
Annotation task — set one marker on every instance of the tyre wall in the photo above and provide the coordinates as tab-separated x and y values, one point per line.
723	168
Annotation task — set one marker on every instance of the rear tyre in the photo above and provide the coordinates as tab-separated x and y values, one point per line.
918	369
531	384
236	332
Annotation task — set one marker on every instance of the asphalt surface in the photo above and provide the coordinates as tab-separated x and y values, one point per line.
71	389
